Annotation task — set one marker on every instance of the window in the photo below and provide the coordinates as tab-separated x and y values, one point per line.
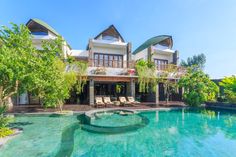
39	33
108	60
161	63
109	37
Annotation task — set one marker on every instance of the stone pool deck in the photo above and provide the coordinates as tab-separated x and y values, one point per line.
83	108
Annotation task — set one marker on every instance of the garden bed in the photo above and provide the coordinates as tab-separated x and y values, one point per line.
9	137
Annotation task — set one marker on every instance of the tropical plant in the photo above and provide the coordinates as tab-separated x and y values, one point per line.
198	87
81	73
58	77
147	76
198	61
118	88
169	78
18	61
4	121
43	72
229	85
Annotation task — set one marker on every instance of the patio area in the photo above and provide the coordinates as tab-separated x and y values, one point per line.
86	107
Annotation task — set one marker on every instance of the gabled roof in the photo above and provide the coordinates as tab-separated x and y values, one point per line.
111	30
161	39
44	24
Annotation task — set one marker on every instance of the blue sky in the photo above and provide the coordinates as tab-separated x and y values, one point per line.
197	26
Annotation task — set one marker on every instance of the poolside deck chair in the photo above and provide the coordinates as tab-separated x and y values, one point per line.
123	101
131	100
107	101
99	102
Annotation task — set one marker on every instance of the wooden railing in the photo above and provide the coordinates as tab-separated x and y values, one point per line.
131	65
170	67
111	63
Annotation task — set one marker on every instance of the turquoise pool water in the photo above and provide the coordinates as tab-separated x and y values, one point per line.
178	133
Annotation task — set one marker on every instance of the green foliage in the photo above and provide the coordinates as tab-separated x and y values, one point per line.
58	77
81	76
4	120
147	76
197	61
168	77
229	84
5	132
18	61
118	88
198	87
43	72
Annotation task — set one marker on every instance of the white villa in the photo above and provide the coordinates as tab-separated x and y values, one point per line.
110	60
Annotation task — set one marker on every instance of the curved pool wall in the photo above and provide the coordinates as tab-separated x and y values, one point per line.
169	133
91	116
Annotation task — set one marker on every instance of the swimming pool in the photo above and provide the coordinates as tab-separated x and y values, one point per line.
179	133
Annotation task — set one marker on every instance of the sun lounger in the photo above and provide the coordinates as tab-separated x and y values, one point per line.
123	101
131	100
107	101
99	102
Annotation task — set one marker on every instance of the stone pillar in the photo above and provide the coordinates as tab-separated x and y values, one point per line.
176	58
149	57
90	53
128	89
132	86
91	92
129	54
157	94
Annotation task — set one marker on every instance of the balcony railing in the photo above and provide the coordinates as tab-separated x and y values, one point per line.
170	67
131	65
111	63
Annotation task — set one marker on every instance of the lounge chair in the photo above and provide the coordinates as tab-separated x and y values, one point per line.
131	100
123	101
99	102
107	101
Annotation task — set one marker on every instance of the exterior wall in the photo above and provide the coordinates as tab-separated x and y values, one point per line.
37	41
108	50
156	54
141	55
164	56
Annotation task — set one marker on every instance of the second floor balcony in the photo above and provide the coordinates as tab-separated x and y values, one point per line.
111	63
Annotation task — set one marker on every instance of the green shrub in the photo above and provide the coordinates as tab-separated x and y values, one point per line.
198	87
5	132
231	97
4	120
229	84
221	99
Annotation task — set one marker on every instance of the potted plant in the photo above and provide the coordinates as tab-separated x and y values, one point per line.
131	71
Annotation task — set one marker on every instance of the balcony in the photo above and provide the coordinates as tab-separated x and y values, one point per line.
170	70
111	63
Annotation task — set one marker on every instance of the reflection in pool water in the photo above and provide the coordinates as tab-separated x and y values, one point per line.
168	133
